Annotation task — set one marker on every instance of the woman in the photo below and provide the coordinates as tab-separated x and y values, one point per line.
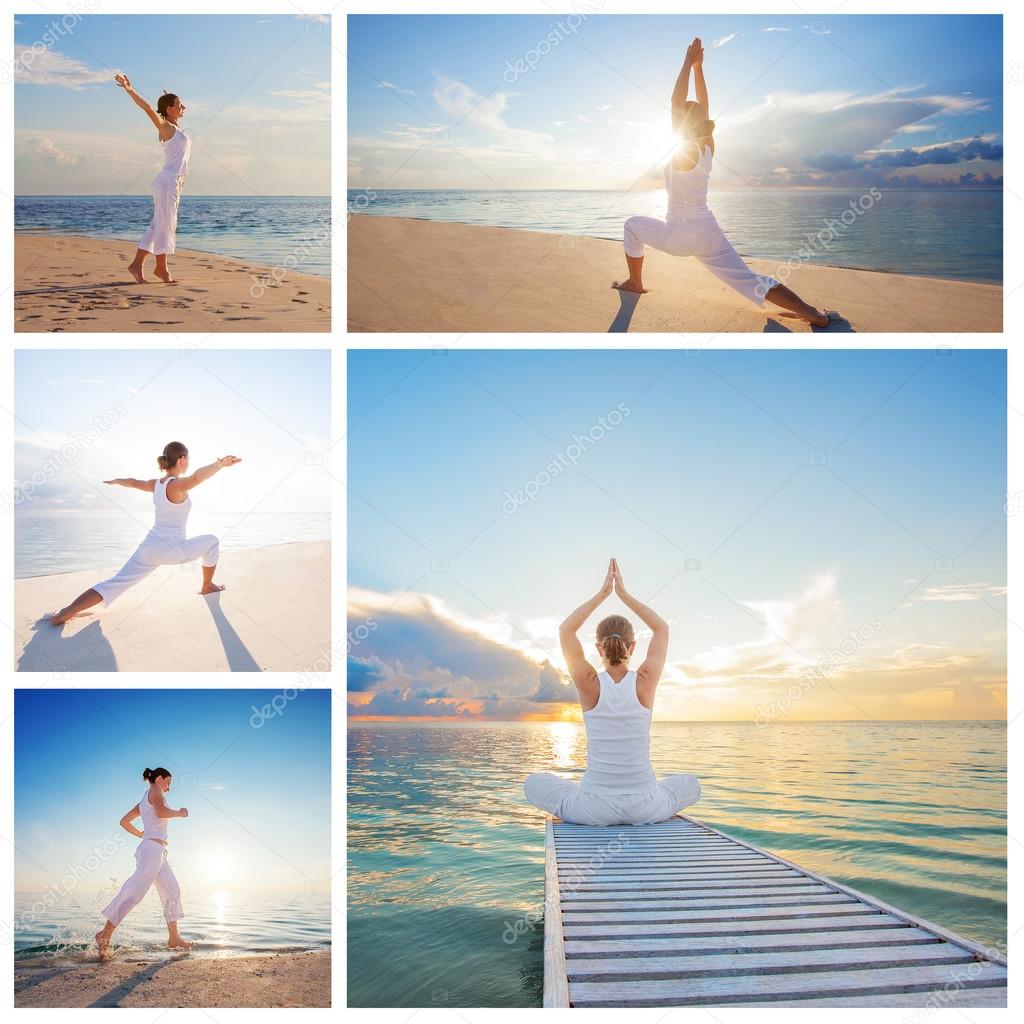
690	228
151	864
619	786
166	543
167	185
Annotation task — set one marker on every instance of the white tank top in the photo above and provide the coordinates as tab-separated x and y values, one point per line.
688	190
176	151
618	740
171	517
153	827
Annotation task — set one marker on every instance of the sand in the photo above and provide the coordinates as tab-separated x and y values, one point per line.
413	275
283	979
274	615
71	283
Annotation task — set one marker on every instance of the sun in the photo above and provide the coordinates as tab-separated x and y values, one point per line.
218	867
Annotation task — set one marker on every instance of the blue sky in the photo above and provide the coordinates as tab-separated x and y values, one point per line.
111	412
766	503
544	102
259	799
256	90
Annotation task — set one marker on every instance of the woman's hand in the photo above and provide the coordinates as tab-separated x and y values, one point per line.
228	460
123	80
620	587
609	580
696	53
183	812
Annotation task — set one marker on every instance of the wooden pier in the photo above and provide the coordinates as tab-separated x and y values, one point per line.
680	914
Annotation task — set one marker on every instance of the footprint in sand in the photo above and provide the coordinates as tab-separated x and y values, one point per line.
302	292
303	301
161	322
202	291
242	318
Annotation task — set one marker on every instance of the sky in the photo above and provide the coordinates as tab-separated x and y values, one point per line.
257	787
256	89
85	416
826	520
519	102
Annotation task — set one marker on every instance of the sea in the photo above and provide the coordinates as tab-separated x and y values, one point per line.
446	857
271	230
70	540
954	233
57	928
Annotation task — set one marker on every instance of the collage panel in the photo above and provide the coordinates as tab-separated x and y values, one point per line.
181	493
608	171
172	171
695	666
174	848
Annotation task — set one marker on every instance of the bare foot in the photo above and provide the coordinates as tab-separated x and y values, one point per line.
103	943
178	943
630	286
165	277
136	271
819	321
211	588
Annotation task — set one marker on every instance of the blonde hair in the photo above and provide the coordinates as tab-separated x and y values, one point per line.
614	637
693	122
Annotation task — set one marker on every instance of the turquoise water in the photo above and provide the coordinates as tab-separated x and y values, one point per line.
265	229
70	540
446	874
936	232
58	928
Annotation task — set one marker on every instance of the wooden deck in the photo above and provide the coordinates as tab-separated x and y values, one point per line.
680	914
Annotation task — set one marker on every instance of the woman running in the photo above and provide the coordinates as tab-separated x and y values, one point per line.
690	228
151	864
167	185
619	786
166	543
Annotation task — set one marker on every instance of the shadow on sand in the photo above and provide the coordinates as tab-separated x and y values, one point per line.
239	658
126	987
627	307
50	650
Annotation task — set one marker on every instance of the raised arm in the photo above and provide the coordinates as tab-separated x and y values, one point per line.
161	125
682	87
699	85
186	483
126	822
127	481
650	671
162	810
582	672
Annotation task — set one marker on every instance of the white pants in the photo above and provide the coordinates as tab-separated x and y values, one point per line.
698	235
159	236
155	551
151	868
566	800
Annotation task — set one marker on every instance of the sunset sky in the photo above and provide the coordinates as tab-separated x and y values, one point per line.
256	88
519	102
258	797
770	505
109	413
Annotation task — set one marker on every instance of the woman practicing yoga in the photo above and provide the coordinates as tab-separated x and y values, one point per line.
167	185
166	543
690	228
619	786
151	864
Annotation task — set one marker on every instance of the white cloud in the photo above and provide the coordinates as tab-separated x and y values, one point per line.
775	28
43	66
724	39
957	592
395	88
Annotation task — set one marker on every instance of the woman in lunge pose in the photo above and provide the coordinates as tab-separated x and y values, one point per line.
166	543
619	786
167	185
151	865
690	228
